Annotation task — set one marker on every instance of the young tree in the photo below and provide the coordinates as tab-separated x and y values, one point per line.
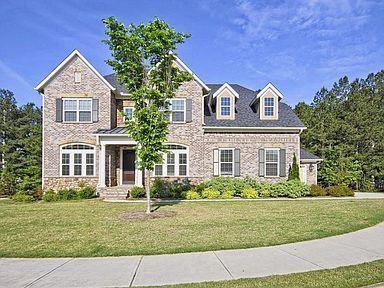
294	170
142	58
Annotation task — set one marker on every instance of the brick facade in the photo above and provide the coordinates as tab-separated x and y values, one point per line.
200	144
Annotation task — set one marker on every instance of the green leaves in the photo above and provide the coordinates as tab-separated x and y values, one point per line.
346	128
143	60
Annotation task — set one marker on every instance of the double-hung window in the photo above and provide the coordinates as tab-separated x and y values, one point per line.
225	104
177	110
128	112
226	162
175	162
271	162
269	106
77	110
77	160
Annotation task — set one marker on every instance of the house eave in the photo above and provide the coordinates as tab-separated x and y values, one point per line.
253	129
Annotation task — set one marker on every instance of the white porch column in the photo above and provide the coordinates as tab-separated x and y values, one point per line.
102	165
138	175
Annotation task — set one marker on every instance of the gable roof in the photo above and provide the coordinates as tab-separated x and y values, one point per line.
246	117
73	54
225	86
111	78
267	87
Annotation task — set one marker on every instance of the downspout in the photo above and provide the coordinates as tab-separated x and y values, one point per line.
202	108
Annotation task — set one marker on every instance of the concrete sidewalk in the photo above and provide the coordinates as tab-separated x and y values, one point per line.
348	249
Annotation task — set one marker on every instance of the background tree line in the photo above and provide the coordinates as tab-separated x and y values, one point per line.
346	128
20	146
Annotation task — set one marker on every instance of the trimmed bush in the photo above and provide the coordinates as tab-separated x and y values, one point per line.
158	188
137	192
210	193
340	191
67	194
50	196
317	190
227	194
22	197
265	193
191	195
249	193
86	192
290	189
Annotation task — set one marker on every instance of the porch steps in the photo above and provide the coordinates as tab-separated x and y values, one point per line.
114	192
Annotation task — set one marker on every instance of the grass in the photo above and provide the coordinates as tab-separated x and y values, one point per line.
343	277
93	228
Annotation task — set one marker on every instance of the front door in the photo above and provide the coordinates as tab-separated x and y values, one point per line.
128	167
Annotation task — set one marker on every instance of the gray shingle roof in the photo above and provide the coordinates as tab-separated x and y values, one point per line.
305	154
117	130
248	117
113	81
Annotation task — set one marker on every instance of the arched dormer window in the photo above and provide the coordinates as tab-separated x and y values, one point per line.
175	162
77	160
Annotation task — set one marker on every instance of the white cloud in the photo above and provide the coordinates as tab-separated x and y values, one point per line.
11	73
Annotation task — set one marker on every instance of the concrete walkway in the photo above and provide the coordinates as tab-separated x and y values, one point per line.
348	249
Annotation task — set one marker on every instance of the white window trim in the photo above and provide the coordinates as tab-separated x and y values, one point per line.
223	106
268	106
184	111
71	164
164	164
233	162
77	110
278	162
128	107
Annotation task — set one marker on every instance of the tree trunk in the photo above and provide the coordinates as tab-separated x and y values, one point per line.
148	190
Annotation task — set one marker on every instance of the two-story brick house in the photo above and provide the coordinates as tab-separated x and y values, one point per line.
216	130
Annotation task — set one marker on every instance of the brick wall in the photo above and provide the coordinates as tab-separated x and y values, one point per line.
56	134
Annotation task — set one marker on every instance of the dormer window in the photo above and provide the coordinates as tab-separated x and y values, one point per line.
225	99
225	106
269	107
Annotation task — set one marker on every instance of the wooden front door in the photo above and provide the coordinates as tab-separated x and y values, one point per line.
128	167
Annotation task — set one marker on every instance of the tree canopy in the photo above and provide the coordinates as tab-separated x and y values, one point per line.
143	60
346	128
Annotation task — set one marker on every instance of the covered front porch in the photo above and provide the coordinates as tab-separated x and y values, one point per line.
117	159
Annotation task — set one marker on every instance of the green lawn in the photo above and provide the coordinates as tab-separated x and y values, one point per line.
343	277
93	227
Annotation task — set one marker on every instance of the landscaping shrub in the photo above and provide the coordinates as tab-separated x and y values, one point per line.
290	189
191	195
249	193
339	191
86	192
50	196
317	190
158	188
22	197
67	194
294	173
137	192
265	193
210	193
200	187
227	194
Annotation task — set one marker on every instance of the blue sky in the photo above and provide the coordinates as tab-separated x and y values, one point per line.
299	46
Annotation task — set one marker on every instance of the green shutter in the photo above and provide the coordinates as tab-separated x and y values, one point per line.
237	163
261	162
95	110
59	110
282	164
188	116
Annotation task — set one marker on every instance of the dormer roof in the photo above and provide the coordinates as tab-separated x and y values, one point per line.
267	87
223	87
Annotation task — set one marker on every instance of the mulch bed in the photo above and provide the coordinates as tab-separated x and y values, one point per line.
141	215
